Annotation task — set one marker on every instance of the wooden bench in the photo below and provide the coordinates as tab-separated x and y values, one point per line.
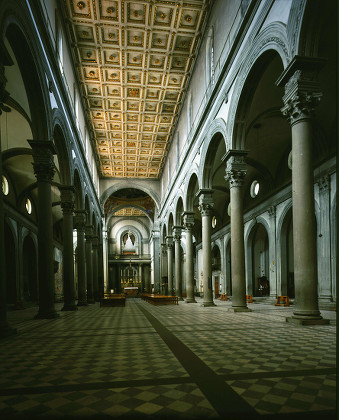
160	299
223	296
282	301
249	298
111	299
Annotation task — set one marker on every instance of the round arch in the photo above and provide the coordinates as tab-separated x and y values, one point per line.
127	184
272	40
213	136
257	257
191	184
31	69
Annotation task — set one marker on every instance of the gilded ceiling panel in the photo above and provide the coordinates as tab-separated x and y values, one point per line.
134	60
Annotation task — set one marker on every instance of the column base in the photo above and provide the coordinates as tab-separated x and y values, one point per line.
190	301
69	308
206	304
305	321
47	315
239	309
82	304
7	331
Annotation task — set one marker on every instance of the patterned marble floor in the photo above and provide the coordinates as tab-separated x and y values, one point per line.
186	362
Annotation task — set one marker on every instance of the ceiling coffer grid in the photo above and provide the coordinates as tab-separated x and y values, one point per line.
134	60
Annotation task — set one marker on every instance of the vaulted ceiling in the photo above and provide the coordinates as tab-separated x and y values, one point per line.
134	60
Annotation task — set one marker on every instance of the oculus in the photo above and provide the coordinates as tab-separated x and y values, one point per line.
254	191
5	186
28	206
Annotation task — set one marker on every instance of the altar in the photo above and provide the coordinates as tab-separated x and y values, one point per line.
131	290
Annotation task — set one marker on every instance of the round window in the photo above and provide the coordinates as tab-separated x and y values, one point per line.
254	189
5	186
214	222
28	206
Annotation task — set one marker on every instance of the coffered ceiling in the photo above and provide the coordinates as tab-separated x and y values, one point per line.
134	59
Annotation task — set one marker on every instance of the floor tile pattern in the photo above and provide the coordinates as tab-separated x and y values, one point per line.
112	363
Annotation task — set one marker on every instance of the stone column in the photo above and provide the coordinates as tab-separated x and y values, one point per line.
101	270
140	278
177	261
155	255
205	207
169	240
324	258
95	245
188	224
235	173
272	252
5	328
67	205
301	97
44	169
163	261
105	260
89	263
80	223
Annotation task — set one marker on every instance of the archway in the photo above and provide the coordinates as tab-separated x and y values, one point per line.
287	256
10	266
30	277
260	262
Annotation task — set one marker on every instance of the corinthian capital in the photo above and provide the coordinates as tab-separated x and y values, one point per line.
169	241
80	219
67	198
177	233
235	167
205	201
302	88
43	162
188	220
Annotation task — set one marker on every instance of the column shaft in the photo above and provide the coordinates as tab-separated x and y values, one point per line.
205	207
235	173
89	264
304	222
95	268
170	265
177	262
237	250
67	205
44	169
189	223
302	95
